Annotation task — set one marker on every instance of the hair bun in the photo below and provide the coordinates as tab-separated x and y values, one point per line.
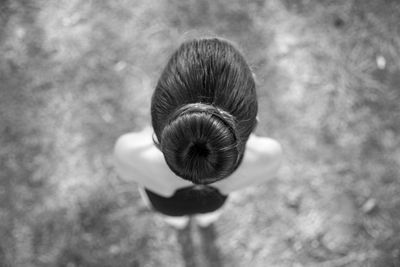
200	143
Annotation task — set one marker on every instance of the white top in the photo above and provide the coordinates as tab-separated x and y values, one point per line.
137	159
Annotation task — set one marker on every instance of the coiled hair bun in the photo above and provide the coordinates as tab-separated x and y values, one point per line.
204	109
200	143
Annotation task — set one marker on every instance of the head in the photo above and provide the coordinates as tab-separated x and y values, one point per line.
204	109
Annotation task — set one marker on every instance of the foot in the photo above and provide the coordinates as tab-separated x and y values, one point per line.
206	219
177	222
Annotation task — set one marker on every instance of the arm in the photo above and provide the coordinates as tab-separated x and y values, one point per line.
136	159
261	161
131	166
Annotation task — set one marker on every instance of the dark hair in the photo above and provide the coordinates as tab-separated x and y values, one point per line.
204	109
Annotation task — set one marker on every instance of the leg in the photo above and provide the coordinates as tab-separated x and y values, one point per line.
205	219
144	197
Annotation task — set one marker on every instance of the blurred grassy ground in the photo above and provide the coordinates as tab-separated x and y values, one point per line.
77	74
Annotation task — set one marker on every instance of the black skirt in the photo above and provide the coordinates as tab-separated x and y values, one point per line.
188	201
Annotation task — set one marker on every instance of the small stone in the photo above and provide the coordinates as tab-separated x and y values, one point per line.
369	206
120	66
337	240
380	62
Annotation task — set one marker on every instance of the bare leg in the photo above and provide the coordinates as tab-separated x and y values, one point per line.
204	220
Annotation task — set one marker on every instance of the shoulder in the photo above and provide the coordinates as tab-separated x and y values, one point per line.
128	145
134	153
137	159
135	139
262	148
132	164
261	161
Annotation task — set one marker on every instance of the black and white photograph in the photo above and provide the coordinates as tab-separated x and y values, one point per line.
200	133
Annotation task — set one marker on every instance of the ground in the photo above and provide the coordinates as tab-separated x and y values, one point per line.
77	74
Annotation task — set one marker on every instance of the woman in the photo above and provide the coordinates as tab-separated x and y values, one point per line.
203	110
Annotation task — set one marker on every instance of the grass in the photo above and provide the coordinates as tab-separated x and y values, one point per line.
77	74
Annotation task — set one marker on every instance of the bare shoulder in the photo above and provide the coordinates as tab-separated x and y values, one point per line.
126	155
132	141
263	147
260	163
137	159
